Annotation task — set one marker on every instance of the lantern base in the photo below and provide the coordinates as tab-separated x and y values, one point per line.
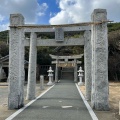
80	83
50	83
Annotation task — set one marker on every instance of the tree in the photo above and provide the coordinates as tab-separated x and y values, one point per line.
4	49
114	55
43	57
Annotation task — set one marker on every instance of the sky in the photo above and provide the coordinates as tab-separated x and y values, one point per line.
56	11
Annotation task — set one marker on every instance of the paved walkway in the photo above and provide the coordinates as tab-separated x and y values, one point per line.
62	102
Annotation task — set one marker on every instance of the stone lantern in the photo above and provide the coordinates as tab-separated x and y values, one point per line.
50	75
80	75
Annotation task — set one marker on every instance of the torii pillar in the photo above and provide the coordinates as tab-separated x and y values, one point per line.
87	64
56	71
16	62
32	67
99	40
75	70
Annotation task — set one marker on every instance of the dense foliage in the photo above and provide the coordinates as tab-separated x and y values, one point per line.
43	52
4	49
4	36
113	26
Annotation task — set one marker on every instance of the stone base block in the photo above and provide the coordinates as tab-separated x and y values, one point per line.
50	83
80	83
101	107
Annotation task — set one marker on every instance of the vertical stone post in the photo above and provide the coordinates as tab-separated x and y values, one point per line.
41	82
87	65
16	62
100	86
75	70
56	71
32	68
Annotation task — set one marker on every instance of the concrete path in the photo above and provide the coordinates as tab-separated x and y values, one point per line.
62	102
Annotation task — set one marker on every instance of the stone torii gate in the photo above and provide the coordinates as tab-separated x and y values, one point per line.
73	63
95	43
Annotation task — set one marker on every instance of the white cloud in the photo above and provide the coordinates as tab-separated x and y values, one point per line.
26	7
41	14
74	11
112	6
44	6
59	18
71	11
1	18
4	27
42	9
52	14
30	9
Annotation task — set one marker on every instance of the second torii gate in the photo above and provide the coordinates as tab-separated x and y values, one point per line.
66	63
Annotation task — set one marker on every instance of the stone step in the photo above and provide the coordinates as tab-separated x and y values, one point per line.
67	75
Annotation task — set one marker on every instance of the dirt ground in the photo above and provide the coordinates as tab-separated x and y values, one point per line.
114	98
